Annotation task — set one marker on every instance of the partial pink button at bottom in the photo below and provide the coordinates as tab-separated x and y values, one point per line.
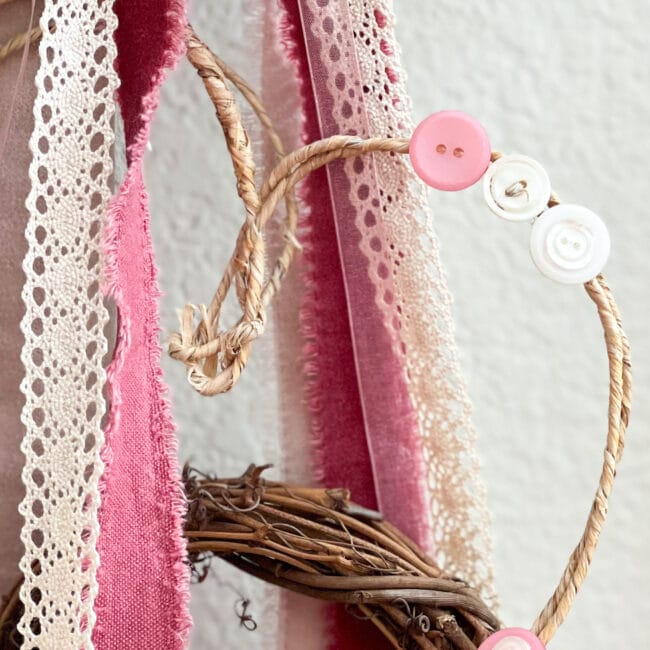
512	638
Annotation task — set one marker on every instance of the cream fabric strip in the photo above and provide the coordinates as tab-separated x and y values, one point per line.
64	321
301	620
407	263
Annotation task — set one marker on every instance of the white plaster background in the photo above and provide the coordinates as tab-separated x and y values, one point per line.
569	84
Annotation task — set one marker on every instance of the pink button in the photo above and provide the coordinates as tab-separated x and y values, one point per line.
512	638
450	150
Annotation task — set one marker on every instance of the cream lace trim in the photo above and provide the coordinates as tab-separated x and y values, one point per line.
64	321
400	243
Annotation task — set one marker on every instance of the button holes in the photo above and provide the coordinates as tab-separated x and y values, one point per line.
441	148
517	188
459	152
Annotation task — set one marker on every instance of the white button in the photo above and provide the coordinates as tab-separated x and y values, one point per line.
516	188
569	244
512	643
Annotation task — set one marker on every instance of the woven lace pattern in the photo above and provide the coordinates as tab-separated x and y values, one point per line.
399	241
64	321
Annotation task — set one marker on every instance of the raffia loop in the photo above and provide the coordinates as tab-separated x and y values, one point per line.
215	358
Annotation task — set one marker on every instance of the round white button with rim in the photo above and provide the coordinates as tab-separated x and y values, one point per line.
516	188
569	244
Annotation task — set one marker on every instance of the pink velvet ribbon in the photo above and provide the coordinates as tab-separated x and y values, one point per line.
364	427
143	578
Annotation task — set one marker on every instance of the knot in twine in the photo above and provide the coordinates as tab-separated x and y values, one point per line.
214	360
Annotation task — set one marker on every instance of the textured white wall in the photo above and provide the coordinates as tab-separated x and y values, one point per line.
567	83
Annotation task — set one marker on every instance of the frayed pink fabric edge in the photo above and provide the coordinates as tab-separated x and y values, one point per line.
166	429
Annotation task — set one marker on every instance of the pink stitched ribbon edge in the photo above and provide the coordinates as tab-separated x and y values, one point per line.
143	577
363	425
390	422
330	382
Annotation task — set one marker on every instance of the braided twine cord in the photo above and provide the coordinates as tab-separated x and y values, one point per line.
216	358
19	41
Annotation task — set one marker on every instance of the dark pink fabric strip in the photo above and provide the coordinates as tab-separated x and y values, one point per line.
341	454
363	425
390	422
143	578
